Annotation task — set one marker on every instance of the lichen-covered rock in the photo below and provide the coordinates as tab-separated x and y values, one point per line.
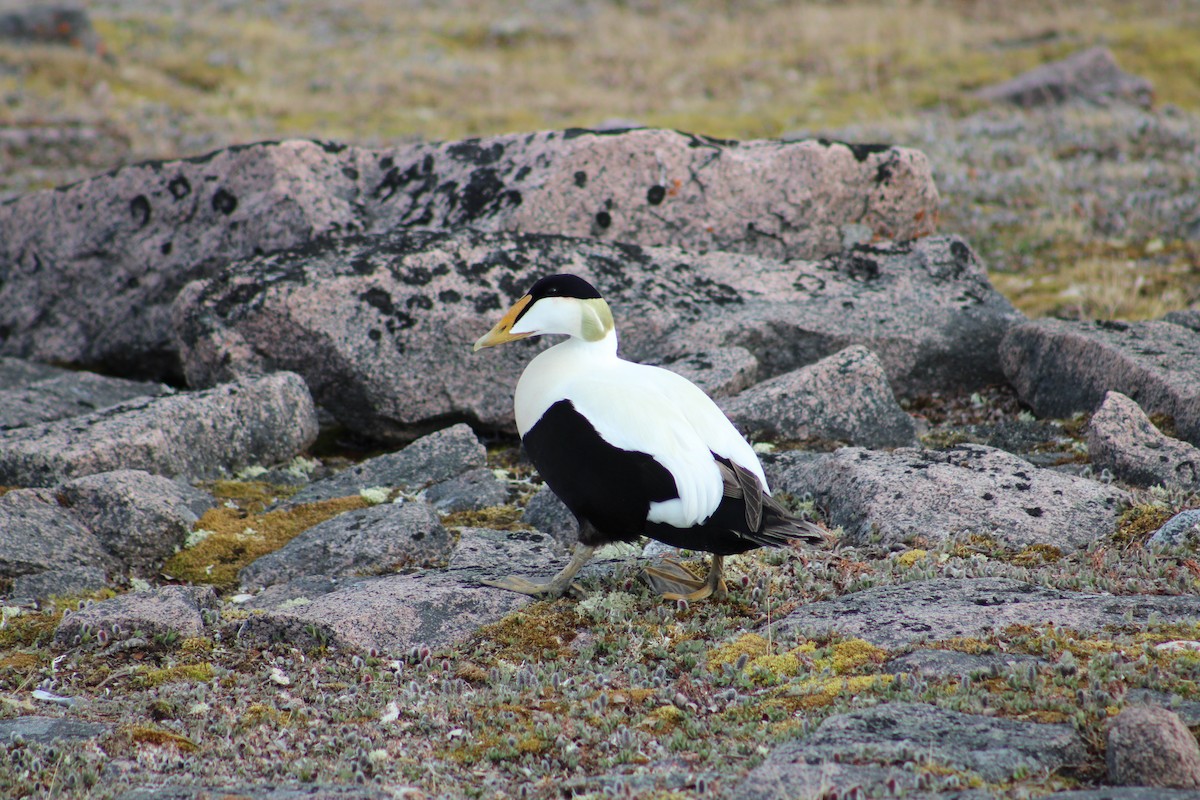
168	611
475	489
912	496
38	537
1150	746
720	372
843	398
381	327
1061	367
139	518
63	393
885	737
1123	440
1183	528
192	435
150	228
953	664
436	457
1090	75
367	541
48	729
946	608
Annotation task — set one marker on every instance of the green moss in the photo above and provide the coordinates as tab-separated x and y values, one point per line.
499	518
539	630
192	673
238	537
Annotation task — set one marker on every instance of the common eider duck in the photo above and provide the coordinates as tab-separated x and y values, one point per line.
632	449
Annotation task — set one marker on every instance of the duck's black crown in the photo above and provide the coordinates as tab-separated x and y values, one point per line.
563	285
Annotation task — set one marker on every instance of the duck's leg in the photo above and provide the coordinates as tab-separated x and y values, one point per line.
556	586
674	582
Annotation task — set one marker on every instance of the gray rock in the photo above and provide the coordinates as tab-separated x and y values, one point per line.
844	398
550	515
1060	368
1188	318
67	395
1181	529
1150	746
366	541
17	373
1091	75
139	518
896	498
720	372
166	611
951	663
381	327
484	554
1123	440
263	791
388	615
436	457
295	592
1128	793
990	748
48	729
192	435
150	228
945	608
37	535
473	490
1187	710
63	25
69	581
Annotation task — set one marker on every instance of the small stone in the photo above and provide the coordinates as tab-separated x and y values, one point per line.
550	515
843	398
47	729
140	518
471	491
1150	746
1091	75
177	611
1122	439
1181	529
437	457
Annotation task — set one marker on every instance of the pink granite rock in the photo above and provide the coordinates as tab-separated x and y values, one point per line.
381	327
1122	439
1091	75
1150	746
88	272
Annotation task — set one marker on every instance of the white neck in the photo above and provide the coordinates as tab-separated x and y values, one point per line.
540	383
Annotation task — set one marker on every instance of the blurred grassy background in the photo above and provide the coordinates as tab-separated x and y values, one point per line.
187	77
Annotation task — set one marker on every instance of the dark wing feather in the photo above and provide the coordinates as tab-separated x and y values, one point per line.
767	522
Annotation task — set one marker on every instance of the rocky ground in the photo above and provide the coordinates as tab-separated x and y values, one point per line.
252	478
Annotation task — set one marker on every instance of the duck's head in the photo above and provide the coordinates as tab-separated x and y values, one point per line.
565	304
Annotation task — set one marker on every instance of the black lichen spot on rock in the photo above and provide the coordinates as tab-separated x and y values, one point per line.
961	255
1035	511
581	179
469	150
166	248
224	202
350	172
884	173
387	162
603	220
488	301
378	298
362	265
485	196
862	269
374	334
139	209
332	148
656	194
404	321
449	296
415	276
419	301
179	187
861	152
721	294
1112	325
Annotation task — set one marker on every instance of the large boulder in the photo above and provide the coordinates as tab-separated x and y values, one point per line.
1091	75
190	435
31	392
1062	367
1122	439
88	272
381	327
911	496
